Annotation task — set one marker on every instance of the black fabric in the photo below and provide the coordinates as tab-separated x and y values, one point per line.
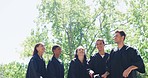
98	64
36	68
120	60
78	69
55	68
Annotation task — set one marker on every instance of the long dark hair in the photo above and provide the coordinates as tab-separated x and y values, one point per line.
35	48
76	56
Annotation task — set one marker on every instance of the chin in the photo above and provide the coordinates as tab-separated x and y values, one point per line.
116	42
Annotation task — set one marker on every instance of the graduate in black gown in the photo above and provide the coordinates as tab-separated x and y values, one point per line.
78	66
98	61
55	68
36	66
124	61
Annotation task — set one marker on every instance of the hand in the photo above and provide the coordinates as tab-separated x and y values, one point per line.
126	72
91	73
104	76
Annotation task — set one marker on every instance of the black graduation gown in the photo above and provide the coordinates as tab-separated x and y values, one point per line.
78	69
55	68
98	64
120	60
36	67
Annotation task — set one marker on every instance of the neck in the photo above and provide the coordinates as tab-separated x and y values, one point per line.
81	58
101	52
120	44
40	55
56	56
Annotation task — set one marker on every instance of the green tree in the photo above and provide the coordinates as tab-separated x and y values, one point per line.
71	23
13	70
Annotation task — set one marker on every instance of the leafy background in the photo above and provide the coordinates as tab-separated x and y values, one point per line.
71	23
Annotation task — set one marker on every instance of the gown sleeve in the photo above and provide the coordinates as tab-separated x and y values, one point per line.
91	63
136	60
108	61
71	71
32	69
51	73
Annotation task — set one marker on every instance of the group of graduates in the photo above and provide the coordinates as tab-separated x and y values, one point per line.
122	62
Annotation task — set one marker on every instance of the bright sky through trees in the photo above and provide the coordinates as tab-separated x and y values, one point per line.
16	21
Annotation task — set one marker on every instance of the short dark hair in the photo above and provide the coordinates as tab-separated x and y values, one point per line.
54	47
100	39
122	33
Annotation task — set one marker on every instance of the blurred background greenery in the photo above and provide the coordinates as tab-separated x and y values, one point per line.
71	23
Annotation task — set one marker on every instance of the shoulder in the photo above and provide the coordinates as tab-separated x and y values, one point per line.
34	58
94	55
106	54
129	48
50	64
51	61
114	49
72	64
73	60
33	61
132	50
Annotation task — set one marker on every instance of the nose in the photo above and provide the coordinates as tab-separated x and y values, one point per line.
114	37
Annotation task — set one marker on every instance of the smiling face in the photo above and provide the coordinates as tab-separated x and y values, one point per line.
41	49
57	51
80	51
100	45
118	38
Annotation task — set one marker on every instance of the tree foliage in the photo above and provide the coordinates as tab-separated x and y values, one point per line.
71	23
13	70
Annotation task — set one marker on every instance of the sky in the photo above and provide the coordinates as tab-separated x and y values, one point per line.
16	22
